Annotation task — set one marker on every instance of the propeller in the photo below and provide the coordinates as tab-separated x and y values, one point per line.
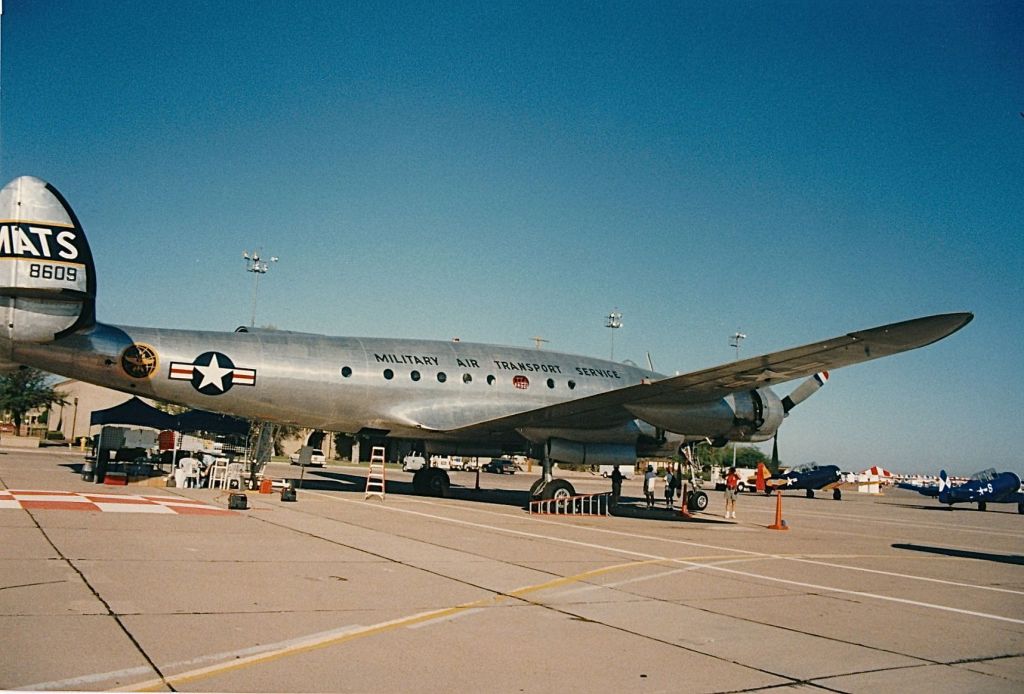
799	394
804	391
773	467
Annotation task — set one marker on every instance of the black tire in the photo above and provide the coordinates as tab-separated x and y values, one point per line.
837	494
437	482
698	501
536	488
982	506
810	493
1020	507
419	483
558	489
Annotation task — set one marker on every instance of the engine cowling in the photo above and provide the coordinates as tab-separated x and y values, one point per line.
753	415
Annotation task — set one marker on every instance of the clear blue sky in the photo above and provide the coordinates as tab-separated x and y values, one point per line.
495	172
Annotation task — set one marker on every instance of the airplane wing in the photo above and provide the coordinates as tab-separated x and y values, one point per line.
925	489
611	408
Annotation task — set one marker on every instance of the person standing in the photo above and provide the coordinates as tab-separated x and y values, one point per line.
732	483
649	478
670	488
616	485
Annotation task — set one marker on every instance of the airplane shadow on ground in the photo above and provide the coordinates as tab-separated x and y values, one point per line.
963	553
327	480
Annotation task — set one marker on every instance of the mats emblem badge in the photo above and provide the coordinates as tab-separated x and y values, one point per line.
139	361
212	373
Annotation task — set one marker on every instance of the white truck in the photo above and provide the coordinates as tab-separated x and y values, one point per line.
747	477
627	471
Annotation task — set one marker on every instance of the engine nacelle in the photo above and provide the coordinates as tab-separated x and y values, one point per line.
753	415
590	453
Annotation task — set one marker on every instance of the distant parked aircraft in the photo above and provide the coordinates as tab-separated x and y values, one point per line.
987	486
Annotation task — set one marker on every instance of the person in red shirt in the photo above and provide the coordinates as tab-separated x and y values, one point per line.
732	483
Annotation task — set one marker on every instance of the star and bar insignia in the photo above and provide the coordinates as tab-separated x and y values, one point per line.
212	373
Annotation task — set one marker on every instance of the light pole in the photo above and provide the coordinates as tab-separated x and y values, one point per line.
735	341
257	266
614	321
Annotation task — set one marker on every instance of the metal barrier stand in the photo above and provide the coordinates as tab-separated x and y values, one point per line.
582	505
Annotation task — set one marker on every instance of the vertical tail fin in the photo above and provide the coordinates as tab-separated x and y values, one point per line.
944	487
47	276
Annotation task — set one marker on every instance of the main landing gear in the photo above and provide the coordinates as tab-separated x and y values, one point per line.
431	481
697	500
547	487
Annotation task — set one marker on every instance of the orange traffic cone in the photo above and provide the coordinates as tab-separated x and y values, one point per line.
779	523
683	503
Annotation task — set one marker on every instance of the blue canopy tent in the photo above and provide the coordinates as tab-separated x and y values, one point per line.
133	411
136	412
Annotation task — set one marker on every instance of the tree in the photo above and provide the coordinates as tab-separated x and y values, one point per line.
281	433
25	389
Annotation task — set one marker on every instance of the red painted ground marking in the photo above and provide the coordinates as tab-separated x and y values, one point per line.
58	505
42	500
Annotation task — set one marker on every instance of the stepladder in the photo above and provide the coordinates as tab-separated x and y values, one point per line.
375	477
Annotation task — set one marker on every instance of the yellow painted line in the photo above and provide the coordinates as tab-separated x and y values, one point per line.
276	654
383	627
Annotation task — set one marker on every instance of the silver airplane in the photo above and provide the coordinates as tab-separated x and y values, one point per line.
449	397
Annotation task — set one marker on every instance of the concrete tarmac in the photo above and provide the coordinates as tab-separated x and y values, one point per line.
336	593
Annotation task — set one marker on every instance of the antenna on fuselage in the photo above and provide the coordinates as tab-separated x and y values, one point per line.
537	340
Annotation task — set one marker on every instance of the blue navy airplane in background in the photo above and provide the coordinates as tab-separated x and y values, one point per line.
455	398
810	477
983	488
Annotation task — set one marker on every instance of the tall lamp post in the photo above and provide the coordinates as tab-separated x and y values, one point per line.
734	342
614	321
256	265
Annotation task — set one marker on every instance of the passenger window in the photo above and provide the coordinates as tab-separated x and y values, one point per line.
441	377
415	375
346	371
466	378
551	383
490	380
389	374
572	385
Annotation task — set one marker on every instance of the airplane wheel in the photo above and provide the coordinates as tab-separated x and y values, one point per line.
837	494
698	501
982	505
536	488
437	482
558	489
810	493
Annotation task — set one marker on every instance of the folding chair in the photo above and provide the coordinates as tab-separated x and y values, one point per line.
233	474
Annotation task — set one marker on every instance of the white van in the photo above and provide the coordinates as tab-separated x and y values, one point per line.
627	471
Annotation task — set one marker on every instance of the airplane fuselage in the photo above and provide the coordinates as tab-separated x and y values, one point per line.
408	388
